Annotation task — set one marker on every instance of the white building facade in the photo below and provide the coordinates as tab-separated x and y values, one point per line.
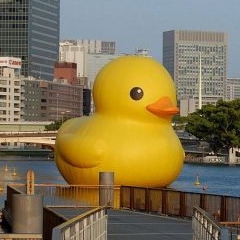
186	54
10	89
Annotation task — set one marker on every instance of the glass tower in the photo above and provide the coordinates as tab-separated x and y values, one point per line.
29	29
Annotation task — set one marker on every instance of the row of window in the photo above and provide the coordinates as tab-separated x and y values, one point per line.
13	25
199	48
13	18
17	9
4	112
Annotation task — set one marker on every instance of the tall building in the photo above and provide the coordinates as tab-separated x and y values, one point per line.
30	31
197	62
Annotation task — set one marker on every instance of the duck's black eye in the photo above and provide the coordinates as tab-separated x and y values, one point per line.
136	93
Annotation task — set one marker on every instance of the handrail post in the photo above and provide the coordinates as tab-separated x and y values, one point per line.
147	200
164	202
182	211
223	211
131	198
202	201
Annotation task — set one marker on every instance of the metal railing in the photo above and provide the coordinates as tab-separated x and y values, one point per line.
91	225
163	201
205	227
158	200
177	203
67	195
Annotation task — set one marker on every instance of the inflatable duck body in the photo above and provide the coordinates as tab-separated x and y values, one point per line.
130	132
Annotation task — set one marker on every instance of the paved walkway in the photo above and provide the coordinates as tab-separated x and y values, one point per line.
129	225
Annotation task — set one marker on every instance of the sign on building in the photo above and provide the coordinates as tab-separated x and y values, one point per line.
11	62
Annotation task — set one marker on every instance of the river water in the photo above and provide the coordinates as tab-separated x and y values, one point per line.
221	180
214	179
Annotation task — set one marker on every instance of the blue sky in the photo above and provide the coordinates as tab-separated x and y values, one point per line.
140	23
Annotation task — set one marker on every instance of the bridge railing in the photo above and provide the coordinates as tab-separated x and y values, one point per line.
205	227
28	133
177	203
90	225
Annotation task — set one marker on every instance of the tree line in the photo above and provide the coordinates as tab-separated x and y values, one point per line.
219	124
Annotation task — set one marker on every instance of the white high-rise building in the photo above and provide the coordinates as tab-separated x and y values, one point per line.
182	52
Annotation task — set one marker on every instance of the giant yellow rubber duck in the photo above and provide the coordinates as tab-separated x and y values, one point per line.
130	132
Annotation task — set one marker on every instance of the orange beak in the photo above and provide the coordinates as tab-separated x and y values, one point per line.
163	108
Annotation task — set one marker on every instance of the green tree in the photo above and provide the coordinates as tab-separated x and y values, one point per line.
218	125
54	125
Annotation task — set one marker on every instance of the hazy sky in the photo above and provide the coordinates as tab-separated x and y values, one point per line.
141	23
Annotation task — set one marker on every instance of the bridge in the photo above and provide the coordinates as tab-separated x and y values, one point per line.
46	138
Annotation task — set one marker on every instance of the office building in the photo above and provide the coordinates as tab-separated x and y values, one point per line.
77	50
50	100
31	99
197	62
233	88
30	31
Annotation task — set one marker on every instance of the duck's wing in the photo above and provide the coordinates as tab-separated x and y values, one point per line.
79	149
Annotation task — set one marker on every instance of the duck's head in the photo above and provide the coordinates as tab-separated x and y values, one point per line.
135	87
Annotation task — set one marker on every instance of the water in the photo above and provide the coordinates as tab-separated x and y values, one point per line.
221	180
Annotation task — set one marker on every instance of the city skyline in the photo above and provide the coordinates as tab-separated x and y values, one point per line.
141	23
